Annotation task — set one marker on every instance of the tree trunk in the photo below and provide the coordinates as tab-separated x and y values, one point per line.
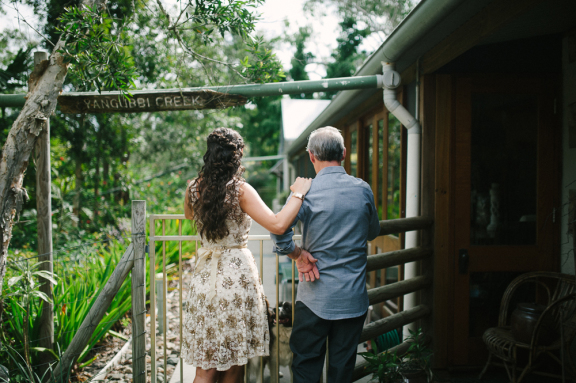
44	221
46	80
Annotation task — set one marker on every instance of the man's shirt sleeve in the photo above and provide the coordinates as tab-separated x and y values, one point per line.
283	243
374	229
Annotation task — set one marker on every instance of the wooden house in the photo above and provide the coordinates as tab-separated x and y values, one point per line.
493	84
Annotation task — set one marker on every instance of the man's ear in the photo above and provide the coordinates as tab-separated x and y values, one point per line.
312	158
343	155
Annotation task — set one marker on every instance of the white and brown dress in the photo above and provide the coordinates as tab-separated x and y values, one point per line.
225	321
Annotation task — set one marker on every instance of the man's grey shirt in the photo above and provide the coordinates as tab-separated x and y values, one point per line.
338	217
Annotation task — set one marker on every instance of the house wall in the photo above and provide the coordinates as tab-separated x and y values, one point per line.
568	210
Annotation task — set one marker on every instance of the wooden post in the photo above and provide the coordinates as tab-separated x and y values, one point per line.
428	120
139	292
95	315
44	219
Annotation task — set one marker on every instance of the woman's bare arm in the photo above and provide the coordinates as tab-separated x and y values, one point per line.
252	204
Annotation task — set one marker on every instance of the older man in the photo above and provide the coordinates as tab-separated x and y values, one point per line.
338	217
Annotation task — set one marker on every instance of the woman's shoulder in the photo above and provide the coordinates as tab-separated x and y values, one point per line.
192	189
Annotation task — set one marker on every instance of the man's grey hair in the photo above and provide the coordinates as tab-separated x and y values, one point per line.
327	144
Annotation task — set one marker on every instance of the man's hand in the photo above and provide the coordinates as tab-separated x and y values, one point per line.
306	265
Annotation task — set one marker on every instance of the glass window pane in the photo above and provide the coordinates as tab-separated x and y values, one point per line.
354	153
486	291
370	152
394	169
380	165
504	141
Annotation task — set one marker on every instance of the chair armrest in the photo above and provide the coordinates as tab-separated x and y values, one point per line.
550	310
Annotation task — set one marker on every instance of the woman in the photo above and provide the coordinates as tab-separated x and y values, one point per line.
225	321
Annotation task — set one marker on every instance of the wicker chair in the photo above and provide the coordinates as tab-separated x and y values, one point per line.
560	310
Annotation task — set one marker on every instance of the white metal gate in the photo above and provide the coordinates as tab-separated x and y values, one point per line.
159	272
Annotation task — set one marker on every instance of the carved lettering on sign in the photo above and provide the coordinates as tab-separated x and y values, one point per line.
155	101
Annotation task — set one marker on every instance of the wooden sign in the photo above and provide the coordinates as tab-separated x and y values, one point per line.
147	101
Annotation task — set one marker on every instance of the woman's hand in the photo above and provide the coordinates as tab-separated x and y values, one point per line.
301	185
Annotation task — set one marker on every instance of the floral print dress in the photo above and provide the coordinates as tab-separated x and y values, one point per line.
225	321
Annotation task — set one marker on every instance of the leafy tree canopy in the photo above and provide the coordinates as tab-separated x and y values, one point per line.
380	17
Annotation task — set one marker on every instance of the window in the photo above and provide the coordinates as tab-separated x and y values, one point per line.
394	168
354	153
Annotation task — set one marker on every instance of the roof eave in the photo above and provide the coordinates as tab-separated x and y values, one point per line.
416	25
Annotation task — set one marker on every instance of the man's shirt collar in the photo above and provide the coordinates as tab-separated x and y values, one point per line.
330	170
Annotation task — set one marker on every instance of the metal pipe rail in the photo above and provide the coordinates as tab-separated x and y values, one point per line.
179	238
251	90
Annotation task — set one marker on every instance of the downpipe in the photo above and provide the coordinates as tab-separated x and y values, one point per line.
391	81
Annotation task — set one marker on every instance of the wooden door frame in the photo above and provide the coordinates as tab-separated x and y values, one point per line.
443	268
550	163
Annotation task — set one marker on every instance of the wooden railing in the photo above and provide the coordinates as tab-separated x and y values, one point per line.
397	289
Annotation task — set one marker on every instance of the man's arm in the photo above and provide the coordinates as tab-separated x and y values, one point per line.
284	243
374	229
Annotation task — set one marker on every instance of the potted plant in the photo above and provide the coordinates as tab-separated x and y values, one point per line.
383	366
416	366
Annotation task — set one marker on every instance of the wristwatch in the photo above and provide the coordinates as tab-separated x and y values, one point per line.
298	195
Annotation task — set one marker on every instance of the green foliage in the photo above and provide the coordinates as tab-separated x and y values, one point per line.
388	367
14	76
261	126
418	357
383	366
380	16
100	59
261	65
233	16
24	374
346	57
23	289
300	60
83	272
259	177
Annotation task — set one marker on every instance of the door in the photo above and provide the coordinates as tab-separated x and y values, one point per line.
506	188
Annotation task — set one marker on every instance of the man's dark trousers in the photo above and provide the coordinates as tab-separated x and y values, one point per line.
308	343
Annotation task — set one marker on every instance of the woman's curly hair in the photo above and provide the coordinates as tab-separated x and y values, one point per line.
216	186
